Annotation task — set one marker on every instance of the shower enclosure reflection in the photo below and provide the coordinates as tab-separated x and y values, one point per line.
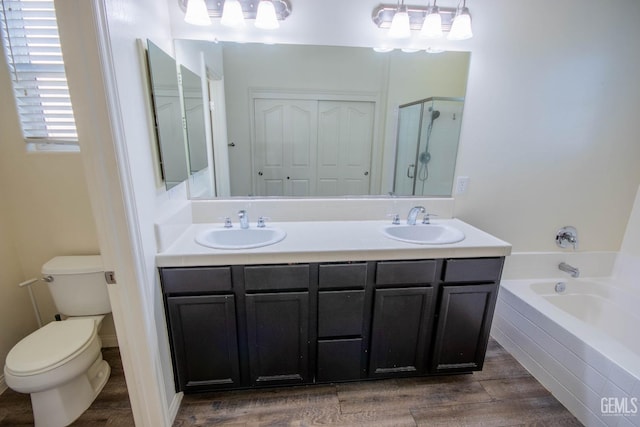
427	146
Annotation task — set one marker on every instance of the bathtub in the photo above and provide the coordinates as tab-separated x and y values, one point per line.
583	344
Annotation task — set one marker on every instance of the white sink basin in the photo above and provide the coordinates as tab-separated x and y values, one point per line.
238	238
424	234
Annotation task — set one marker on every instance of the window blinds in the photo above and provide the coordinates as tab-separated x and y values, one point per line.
32	47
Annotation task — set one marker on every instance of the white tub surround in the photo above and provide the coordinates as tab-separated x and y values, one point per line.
327	241
542	265
581	344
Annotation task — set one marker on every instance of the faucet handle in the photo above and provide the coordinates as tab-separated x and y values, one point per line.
261	221
427	218
566	236
227	221
395	218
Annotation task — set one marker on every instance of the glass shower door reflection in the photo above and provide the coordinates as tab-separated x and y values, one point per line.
428	134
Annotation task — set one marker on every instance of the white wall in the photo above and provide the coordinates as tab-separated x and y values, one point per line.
550	135
631	242
128	21
627	267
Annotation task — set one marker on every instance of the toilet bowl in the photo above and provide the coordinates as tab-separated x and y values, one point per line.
61	366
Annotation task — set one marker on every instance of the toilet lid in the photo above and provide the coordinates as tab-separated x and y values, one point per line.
51	345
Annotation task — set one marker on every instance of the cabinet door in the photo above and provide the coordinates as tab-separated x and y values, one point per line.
400	334
278	338
464	321
205	346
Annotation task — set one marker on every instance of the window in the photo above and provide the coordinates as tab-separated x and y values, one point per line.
29	34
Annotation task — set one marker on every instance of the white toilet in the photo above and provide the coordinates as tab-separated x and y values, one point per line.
61	364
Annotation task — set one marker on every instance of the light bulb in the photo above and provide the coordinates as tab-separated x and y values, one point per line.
266	17
400	27
432	25
461	27
197	13
232	14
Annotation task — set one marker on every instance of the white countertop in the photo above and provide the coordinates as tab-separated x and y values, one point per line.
330	241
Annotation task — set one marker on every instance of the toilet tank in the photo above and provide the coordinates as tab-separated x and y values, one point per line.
77	285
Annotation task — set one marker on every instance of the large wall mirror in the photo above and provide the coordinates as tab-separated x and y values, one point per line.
318	121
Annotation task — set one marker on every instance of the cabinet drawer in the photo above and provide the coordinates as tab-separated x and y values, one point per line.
339	360
276	277
406	272
334	276
196	280
473	270
340	313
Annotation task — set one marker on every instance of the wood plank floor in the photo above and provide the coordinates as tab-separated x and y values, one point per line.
111	407
503	394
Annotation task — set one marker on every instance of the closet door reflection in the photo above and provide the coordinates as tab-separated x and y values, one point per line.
312	147
285	147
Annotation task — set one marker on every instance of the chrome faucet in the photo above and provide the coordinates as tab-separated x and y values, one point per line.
244	219
574	272
567	236
413	214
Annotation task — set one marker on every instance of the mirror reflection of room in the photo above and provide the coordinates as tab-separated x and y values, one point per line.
317	121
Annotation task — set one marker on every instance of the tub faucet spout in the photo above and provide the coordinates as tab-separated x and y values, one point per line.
574	272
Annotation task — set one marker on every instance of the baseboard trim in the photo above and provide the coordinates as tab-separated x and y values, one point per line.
175	406
3	384
109	341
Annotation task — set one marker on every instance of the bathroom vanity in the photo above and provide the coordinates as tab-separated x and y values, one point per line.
354	306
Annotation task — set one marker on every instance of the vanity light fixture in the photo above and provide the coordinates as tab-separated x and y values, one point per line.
432	25
400	25
197	13
420	18
266	16
233	13
461	27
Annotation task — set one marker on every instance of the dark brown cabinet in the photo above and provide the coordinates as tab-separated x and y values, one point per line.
204	337
401	331
278	338
266	325
404	302
467	301
464	320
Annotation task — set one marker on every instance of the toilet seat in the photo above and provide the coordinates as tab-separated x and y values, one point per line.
51	346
